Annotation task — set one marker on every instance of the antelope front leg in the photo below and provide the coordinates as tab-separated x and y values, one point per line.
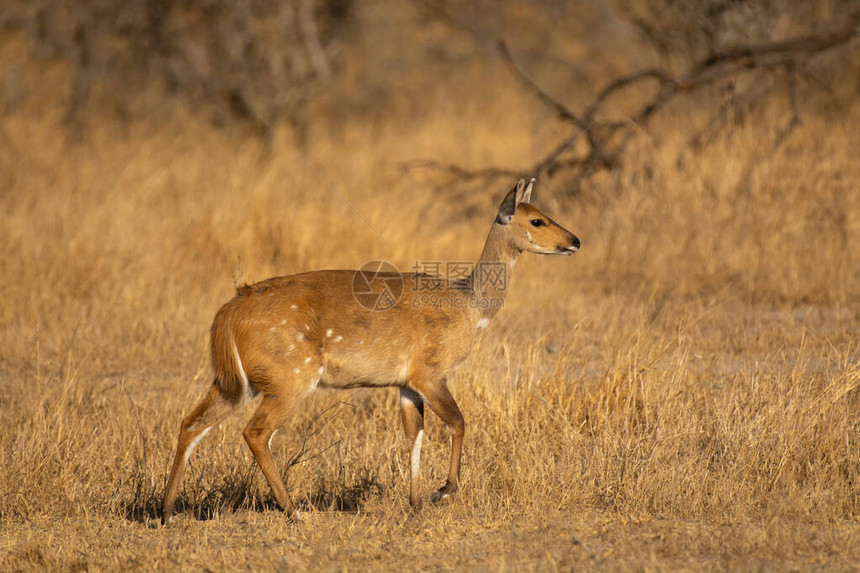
439	399
412	416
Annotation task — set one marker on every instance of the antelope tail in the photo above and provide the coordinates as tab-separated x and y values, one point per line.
230	376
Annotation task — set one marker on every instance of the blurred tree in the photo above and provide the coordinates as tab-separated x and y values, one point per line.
252	59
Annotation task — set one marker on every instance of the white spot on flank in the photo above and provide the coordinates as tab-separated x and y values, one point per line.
283	322
296	370
416	453
290	348
272	329
195	441
328	333
483	323
300	337
293	307
338	339
307	360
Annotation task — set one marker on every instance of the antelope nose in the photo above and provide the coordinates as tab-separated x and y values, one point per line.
576	242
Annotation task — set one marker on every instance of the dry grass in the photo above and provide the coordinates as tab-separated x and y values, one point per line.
683	393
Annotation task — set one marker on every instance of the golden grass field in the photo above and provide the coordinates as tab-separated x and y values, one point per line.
683	393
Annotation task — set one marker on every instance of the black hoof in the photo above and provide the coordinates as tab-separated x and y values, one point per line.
439	496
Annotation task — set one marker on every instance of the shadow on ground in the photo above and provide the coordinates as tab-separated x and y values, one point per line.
241	494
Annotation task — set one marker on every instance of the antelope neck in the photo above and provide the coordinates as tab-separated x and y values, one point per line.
491	277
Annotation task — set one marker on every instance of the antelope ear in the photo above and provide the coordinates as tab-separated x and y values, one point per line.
509	204
527	195
521	185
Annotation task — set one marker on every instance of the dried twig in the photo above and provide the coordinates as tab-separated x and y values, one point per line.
310	432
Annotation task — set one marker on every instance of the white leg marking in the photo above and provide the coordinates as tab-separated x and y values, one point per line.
270	438
245	386
405	400
194	443
416	453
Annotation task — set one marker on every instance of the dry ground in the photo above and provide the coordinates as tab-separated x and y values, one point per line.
681	394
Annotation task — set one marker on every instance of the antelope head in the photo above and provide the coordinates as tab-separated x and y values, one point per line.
530	230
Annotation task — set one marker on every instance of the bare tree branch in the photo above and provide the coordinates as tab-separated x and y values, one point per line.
809	44
563	111
548	162
602	153
311	37
625	81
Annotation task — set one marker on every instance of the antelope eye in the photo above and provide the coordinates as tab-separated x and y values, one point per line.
538	222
